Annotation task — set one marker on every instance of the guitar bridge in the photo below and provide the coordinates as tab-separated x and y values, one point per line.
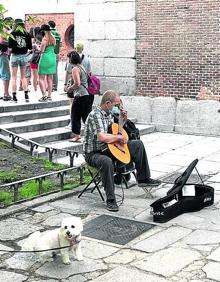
119	148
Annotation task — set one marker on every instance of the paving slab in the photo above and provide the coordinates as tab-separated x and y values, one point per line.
162	239
12	229
7	276
96	250
22	261
58	270
212	270
75	278
55	220
125	274
124	257
202	237
215	255
168	262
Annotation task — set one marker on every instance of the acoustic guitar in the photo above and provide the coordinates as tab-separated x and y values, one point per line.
119	151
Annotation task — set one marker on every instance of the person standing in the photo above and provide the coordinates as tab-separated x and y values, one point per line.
5	73
47	63
36	41
81	105
85	61
20	43
57	36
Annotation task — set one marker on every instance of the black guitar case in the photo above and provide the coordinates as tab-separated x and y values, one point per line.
177	202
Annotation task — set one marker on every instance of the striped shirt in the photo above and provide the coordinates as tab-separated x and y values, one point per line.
97	121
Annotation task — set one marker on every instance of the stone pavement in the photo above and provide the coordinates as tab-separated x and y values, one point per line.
186	248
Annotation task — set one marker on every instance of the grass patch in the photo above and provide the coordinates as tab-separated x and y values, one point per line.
16	165
6	198
50	166
7	176
30	189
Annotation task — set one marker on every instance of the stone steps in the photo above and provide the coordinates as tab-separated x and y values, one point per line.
30	126
27	115
45	124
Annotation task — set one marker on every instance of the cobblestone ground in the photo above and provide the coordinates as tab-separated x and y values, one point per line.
187	248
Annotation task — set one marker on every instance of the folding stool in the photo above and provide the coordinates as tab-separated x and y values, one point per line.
121	171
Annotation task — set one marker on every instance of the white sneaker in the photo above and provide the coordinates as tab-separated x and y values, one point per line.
69	126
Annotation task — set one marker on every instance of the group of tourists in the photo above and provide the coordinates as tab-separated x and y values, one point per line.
36	52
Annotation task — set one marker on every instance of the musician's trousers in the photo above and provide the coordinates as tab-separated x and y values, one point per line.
106	166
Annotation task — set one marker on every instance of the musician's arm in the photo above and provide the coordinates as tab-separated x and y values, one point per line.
111	138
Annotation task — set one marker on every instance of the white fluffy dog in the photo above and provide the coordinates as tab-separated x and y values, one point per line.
69	234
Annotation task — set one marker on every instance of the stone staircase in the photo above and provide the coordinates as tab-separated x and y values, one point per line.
45	124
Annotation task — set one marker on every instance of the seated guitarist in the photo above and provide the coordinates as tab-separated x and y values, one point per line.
96	133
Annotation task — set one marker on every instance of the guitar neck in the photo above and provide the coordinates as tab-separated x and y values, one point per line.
120	124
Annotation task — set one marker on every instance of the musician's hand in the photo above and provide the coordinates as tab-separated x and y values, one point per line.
122	139
124	114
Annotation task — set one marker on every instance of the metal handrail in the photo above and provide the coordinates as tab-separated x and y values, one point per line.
40	178
34	145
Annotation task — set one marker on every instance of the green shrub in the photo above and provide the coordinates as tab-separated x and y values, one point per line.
30	189
6	198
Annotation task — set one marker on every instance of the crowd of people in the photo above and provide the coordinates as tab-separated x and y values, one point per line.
34	53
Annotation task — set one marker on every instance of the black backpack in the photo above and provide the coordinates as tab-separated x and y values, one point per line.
132	130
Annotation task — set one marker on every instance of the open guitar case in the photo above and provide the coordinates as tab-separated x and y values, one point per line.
178	200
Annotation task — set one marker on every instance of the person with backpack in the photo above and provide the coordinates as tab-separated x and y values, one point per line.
81	105
20	43
85	62
57	36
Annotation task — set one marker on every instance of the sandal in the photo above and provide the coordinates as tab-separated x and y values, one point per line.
43	99
75	139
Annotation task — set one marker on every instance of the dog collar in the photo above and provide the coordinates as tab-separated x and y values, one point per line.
74	241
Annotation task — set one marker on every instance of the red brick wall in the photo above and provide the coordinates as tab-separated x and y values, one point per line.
63	22
178	50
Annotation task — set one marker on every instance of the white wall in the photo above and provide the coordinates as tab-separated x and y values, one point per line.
18	9
108	30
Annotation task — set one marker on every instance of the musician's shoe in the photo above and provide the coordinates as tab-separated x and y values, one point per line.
112	206
149	182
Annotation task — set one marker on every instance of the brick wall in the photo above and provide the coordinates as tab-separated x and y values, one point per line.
63	22
178	52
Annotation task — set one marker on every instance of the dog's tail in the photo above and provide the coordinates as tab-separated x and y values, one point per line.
30	242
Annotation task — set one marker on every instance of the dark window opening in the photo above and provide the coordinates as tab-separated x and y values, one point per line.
69	36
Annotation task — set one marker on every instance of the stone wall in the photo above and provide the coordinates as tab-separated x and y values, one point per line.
178	47
108	30
170	115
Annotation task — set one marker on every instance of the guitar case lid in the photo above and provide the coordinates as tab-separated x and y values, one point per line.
182	179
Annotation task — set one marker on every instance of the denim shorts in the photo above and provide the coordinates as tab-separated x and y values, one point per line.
19	60
4	68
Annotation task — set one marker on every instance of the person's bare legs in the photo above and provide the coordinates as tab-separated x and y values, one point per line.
42	83
49	84
24	78
6	87
34	78
14	71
